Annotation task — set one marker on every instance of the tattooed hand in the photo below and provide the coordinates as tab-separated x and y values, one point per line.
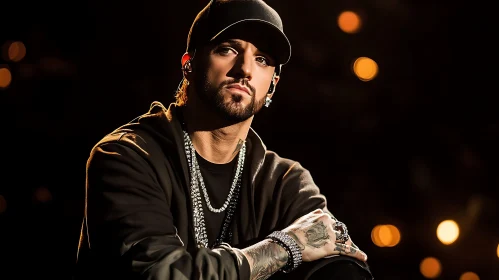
317	238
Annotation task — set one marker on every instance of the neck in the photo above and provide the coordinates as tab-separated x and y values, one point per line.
214	139
217	146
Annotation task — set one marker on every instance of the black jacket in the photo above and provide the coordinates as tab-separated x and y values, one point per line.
138	222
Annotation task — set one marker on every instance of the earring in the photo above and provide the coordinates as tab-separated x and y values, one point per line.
267	101
187	66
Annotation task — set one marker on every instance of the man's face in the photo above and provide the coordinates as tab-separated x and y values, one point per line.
234	77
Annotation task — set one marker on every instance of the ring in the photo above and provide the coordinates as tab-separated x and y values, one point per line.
341	227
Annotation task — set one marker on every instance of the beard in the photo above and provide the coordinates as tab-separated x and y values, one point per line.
231	110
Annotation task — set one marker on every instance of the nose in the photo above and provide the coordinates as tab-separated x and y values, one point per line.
243	69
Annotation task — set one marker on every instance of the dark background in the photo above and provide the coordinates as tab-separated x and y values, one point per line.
414	146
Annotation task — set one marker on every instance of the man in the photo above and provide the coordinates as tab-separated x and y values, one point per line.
189	191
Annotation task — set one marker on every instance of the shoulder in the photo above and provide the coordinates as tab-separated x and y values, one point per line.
132	138
145	134
282	167
273	158
122	150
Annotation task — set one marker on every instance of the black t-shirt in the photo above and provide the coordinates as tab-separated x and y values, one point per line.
218	180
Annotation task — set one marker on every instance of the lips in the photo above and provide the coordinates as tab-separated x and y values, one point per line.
239	87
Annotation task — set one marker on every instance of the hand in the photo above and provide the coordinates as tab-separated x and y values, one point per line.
319	236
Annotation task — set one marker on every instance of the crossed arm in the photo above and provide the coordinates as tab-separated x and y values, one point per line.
130	225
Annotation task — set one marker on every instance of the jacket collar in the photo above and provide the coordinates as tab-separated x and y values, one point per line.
171	128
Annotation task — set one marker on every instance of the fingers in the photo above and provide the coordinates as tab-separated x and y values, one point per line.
343	244
347	250
318	211
353	244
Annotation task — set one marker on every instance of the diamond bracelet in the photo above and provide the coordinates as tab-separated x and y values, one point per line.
291	247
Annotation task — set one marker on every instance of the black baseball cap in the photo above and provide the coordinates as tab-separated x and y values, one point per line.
220	16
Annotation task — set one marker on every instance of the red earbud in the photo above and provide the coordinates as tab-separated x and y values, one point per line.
186	57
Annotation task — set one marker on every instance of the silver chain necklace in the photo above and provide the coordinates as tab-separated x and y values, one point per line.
197	180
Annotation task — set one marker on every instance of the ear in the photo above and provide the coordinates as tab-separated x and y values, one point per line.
273	84
276	79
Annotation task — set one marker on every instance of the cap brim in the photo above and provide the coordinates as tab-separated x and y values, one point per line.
279	46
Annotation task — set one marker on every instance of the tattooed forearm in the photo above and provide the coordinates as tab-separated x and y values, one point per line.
302	247
265	259
317	235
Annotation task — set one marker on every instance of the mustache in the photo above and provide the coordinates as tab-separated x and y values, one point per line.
244	82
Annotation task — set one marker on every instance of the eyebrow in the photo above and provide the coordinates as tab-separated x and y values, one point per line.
231	41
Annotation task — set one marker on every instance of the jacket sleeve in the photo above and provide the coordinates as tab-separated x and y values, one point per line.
299	196
295	193
131	230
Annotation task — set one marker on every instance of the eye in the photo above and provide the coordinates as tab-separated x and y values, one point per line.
224	50
263	60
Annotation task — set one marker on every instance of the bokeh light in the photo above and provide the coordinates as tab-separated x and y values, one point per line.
430	267
469	276
5	77
16	51
385	235
448	232
365	68
42	195
349	22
